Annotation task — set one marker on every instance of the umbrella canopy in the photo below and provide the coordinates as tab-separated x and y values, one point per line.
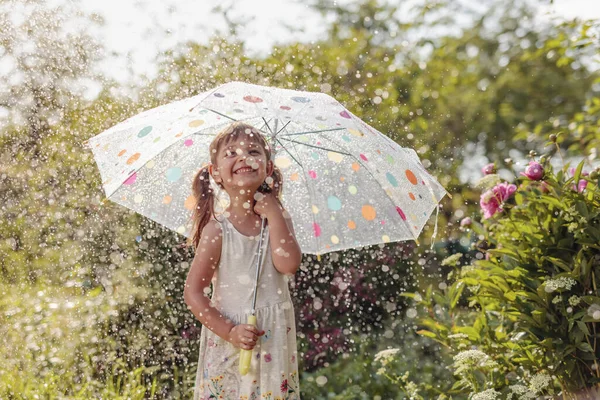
345	184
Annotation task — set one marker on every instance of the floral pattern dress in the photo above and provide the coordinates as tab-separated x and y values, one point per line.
274	366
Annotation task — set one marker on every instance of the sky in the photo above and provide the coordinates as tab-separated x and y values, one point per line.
136	30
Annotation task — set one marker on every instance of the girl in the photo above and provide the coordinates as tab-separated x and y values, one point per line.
226	255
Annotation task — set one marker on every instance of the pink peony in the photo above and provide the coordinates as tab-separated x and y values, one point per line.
582	184
489	169
534	171
465	222
491	200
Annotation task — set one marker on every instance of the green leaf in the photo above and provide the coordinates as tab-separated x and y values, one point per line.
585	347
558	262
427	333
583	327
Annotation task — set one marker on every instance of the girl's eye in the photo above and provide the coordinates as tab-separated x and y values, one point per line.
254	152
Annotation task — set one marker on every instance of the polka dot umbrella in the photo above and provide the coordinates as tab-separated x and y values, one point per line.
346	185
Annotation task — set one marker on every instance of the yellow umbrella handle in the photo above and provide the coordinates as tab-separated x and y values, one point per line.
246	355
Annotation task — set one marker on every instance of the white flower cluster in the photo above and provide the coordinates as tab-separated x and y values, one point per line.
559	283
489	394
386	355
539	382
469	359
574	300
521	392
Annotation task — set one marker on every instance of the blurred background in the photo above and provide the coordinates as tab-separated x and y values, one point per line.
91	295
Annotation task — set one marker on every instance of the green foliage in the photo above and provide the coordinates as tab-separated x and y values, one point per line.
532	301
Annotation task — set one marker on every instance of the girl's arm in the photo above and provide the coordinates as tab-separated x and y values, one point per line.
285	251
197	284
197	287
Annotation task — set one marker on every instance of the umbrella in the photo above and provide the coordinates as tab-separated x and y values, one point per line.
346	185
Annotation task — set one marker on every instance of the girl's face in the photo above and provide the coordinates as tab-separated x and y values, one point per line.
241	164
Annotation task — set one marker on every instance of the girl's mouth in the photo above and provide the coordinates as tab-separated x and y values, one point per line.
244	170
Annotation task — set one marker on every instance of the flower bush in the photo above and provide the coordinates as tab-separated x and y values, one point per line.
523	317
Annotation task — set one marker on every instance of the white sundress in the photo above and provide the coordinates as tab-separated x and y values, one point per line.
274	366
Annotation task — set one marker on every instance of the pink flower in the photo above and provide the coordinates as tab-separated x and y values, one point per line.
465	221
534	171
582	184
284	386
489	169
491	200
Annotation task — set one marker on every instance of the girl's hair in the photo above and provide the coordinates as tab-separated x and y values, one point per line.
203	193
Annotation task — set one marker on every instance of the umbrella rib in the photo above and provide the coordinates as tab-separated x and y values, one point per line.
267	125
308	187
223	115
283	127
316	147
307	132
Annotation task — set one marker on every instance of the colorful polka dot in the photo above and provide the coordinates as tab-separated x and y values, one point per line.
138	198
253	99
131	179
317	229
335	157
190	202
312	174
364	157
315	209
335	239
188	142
122	152
401	213
299	99
352	189
368	212
345	114
145	131
334	203
173	174
294	177
355	166
133	158
351	224
412	196
196	123
385	239
411	177
355	132
282	162
167	199
391	179
346	138
286	108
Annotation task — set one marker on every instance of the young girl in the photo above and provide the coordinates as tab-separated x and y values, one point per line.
226	255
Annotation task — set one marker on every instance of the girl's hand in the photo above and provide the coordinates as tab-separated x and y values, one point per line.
267	205
244	336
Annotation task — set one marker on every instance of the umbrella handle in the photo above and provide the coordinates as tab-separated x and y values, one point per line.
246	355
